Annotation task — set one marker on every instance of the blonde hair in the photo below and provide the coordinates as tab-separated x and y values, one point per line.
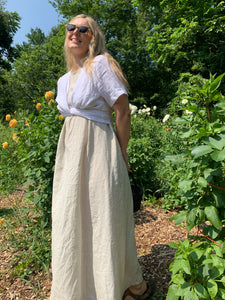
96	47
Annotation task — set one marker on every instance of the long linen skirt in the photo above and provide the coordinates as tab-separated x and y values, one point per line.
93	243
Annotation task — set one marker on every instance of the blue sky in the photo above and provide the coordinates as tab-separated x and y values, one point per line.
33	13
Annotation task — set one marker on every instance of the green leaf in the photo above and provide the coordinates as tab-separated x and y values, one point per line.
219	196
216	83
191	219
179	218
212	288
218	155
178	279
197	254
211	232
201	291
190	295
185	185
185	288
201	150
202	182
171	295
217	143
213	216
174	245
175	159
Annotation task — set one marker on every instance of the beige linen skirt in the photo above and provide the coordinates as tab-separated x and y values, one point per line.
93	244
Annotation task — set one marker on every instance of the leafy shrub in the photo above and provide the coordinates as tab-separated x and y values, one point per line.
202	187
37	136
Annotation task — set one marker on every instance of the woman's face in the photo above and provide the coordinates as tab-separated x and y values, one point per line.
76	41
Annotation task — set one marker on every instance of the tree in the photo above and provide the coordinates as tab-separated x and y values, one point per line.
9	23
35	71
36	37
186	36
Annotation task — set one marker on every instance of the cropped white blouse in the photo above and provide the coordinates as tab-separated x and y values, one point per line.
92	96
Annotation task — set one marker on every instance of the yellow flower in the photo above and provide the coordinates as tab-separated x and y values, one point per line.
8	117
13	123
38	106
14	136
1	221
49	95
5	145
51	101
61	117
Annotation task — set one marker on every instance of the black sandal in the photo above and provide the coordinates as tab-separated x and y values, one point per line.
145	296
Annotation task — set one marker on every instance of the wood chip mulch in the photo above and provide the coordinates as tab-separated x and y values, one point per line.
153	232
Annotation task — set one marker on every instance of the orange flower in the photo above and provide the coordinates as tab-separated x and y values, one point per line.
8	117
15	136
38	106
27	123
49	95
13	123
1	221
51	101
5	145
14	112
61	117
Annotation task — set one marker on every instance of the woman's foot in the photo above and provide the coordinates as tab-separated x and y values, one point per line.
129	295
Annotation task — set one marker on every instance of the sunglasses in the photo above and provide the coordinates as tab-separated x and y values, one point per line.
81	29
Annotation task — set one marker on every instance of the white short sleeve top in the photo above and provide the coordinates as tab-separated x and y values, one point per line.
92	96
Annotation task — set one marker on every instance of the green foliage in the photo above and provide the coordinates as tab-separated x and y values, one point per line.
37	136
27	81
9	24
37	150
198	269
183	36
30	242
10	167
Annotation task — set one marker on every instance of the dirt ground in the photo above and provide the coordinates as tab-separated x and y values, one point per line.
153	232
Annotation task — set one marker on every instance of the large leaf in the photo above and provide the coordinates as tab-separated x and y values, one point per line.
213	216
171	295
201	150
201	291
211	232
218	143
219	196
212	288
216	83
218	155
191	218
179	218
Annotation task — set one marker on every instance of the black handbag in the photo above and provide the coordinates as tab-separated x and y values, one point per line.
137	192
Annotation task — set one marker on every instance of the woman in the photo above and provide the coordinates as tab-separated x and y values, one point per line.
93	245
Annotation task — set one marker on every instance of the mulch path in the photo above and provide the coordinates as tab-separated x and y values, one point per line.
153	232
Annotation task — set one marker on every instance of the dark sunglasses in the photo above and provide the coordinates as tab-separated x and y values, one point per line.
81	29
